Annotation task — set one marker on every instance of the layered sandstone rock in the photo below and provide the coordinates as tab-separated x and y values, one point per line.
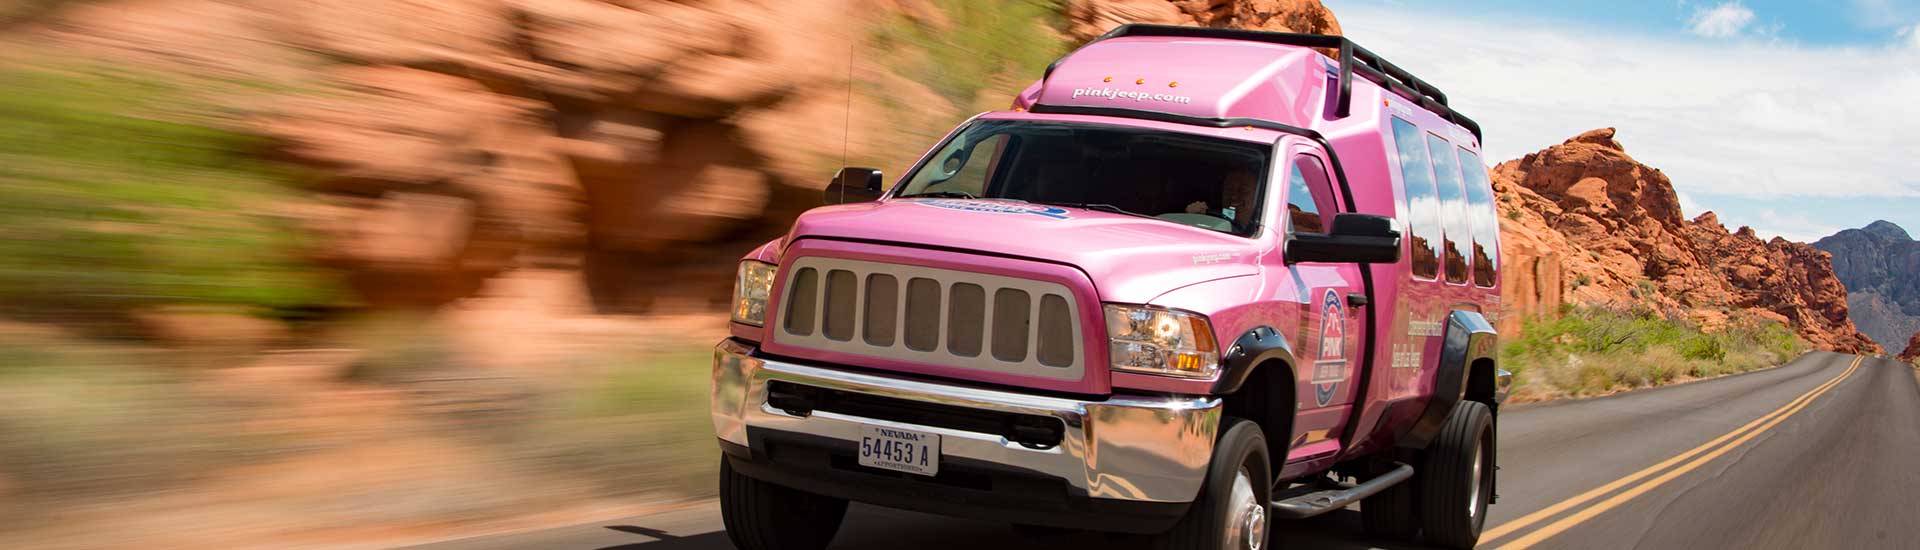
1090	18
1586	217
1912	351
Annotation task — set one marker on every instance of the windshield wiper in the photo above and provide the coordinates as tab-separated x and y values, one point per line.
1103	207
939	195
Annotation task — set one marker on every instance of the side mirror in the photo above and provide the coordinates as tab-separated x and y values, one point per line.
1355	238
853	185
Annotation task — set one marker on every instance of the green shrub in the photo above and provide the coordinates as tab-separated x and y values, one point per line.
1590	351
108	201
89	422
985	44
1704	347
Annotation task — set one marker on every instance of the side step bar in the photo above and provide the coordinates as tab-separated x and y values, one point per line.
1334	496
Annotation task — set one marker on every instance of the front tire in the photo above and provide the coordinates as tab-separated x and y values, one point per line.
765	516
1457	480
1231	511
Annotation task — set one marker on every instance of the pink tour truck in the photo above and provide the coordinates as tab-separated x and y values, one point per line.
1193	280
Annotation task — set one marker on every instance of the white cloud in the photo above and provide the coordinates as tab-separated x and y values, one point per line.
1722	21
1910	37
1739	119
1879	13
1793	227
1689	207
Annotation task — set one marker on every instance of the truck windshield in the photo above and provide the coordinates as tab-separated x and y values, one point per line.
1200	181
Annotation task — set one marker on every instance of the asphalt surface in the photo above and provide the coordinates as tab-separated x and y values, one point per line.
1780	458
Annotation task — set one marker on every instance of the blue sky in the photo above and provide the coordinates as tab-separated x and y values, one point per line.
1796	118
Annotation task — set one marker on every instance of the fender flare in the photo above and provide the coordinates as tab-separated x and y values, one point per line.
1256	346
1468	340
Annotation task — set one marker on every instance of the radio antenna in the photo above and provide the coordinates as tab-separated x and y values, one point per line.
846	122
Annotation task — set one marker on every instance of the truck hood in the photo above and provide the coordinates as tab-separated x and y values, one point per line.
1129	259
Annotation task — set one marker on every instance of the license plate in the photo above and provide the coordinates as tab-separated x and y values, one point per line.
909	451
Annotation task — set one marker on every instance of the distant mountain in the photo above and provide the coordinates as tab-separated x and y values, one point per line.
1880	264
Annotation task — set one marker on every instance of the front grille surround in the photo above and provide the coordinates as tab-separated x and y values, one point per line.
968	320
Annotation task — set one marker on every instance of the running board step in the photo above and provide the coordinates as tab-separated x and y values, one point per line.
1334	496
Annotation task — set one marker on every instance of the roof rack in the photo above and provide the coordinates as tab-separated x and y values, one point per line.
1353	59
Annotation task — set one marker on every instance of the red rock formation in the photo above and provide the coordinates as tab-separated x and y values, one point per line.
1585	216
1090	18
1913	349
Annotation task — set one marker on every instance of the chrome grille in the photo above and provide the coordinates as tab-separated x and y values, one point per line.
927	315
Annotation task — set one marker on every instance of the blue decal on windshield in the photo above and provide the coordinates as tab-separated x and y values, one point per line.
992	207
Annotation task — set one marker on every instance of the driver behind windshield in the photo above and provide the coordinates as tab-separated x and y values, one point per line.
1198	181
1237	192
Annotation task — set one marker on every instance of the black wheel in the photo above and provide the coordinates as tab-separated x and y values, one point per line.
1231	511
1457	479
1389	514
765	516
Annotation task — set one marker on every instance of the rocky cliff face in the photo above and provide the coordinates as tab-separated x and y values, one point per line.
1912	351
1583	222
1878	263
1090	18
643	144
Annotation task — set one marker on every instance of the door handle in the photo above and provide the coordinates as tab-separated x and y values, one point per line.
1357	300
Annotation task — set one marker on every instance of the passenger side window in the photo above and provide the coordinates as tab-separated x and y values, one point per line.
1486	222
959	168
1453	209
1423	204
1303	212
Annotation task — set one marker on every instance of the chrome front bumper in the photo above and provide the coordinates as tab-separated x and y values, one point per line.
1145	449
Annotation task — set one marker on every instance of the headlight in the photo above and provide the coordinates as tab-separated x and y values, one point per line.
1161	341
750	292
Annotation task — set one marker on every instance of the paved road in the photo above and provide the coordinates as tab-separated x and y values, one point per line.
1821	453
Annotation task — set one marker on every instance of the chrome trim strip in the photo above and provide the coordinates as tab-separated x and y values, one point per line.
1029	365
1125	447
1502	384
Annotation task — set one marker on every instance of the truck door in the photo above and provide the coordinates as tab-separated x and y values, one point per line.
1330	331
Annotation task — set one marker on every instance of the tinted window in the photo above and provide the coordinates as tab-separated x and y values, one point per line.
1192	180
1423	205
1303	214
960	171
1486	221
1453	209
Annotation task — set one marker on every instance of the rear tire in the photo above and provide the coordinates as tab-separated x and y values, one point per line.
1388	515
1231	511
1457	479
765	516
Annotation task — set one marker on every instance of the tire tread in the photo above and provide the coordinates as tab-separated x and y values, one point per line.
1201	528
1444	487
764	516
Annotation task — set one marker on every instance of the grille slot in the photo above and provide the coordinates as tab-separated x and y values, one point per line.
923	314
935	316
1056	332
964	318
841	292
1011	319
882	309
803	301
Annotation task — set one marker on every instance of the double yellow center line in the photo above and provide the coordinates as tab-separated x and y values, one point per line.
1712	449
